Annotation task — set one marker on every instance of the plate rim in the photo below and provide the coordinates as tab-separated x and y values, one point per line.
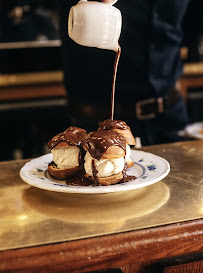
190	126
96	190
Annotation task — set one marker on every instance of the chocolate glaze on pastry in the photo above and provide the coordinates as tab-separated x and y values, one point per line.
120	127
109	124
72	136
98	142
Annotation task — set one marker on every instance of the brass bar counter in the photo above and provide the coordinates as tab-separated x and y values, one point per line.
43	231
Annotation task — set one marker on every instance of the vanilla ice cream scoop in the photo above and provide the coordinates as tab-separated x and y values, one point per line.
66	158
128	153
105	167
66	150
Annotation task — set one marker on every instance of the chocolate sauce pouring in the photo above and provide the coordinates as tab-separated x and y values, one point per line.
96	143
114	81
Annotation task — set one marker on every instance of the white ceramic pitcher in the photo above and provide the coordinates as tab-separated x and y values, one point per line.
95	24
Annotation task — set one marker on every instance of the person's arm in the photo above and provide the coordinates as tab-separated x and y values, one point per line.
193	28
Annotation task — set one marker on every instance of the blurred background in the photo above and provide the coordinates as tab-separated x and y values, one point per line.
33	101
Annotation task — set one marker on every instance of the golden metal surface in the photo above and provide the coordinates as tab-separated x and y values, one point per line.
31	78
31	216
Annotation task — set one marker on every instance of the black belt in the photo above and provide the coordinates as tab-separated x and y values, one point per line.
144	109
152	107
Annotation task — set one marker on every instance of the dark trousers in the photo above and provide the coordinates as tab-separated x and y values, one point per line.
162	129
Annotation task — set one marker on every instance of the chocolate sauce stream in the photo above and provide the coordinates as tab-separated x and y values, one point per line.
114	80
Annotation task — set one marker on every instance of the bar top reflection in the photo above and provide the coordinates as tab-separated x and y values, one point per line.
31	216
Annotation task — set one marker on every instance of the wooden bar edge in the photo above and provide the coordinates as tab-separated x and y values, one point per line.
107	251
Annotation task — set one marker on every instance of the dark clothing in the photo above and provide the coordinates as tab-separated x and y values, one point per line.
149	65
30	27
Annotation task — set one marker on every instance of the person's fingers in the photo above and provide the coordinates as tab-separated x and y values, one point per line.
110	1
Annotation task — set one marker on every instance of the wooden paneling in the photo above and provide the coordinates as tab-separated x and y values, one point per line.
195	267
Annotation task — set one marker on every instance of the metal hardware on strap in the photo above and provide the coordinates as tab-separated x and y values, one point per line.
158	103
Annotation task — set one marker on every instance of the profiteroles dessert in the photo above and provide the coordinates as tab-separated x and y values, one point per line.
122	128
67	158
106	153
104	159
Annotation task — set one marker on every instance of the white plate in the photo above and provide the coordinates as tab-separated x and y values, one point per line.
193	130
148	168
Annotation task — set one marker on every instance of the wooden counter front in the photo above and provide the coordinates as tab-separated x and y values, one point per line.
143	247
